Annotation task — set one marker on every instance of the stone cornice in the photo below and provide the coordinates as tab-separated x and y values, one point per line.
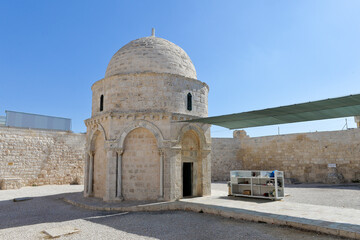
96	120
138	116
149	74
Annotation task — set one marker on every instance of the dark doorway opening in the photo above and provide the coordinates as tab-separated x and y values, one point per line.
187	179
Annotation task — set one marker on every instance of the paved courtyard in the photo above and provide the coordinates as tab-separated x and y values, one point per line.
46	210
335	195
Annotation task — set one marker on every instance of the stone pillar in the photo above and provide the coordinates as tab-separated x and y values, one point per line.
206	172
175	173
166	174
171	181
86	174
111	161
161	195
90	174
119	174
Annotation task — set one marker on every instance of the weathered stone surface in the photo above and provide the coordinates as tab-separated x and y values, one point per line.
304	157
151	54
61	231
141	166
10	183
145	93
99	166
39	157
224	157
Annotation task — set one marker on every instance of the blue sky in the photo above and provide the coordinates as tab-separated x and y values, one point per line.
252	54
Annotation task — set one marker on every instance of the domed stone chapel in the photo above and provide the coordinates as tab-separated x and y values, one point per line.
138	147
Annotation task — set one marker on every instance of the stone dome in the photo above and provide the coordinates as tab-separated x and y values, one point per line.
151	54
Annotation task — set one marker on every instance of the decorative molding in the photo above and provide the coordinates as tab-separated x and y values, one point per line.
141	124
122	76
151	115
110	145
90	142
119	151
199	131
161	151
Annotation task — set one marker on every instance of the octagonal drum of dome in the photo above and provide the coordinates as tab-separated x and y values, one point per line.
151	54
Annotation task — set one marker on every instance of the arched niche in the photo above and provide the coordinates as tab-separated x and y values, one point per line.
191	164
96	168
192	127
141	124
140	165
98	129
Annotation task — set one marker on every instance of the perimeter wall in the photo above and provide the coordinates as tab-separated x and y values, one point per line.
39	157
320	157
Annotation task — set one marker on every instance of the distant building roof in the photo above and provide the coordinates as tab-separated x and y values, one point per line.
30	120
2	120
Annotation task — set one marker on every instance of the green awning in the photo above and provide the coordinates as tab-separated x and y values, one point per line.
324	109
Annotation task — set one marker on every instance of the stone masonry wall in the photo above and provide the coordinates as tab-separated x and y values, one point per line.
39	157
325	157
224	157
148	92
141	166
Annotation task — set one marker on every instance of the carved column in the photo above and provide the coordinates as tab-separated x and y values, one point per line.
90	174
119	153
86	175
161	152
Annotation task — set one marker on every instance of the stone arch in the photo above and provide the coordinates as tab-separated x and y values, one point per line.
197	130
95	131
191	163
98	164
140	165
141	124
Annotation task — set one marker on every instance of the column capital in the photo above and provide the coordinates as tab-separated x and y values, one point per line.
206	151
119	151
110	145
161	151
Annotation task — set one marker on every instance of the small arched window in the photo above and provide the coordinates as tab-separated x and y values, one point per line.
101	103
189	102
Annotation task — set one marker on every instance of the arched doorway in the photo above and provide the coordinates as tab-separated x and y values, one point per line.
99	168
140	166
191	164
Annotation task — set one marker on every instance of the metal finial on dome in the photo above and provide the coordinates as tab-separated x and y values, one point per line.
153	32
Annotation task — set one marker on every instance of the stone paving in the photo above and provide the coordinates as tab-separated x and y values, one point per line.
337	221
46	213
325	219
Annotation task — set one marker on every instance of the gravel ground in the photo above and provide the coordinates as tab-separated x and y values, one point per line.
335	195
27	220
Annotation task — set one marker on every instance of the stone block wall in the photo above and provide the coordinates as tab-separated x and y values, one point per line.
145	92
324	157
40	157
141	166
224	157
